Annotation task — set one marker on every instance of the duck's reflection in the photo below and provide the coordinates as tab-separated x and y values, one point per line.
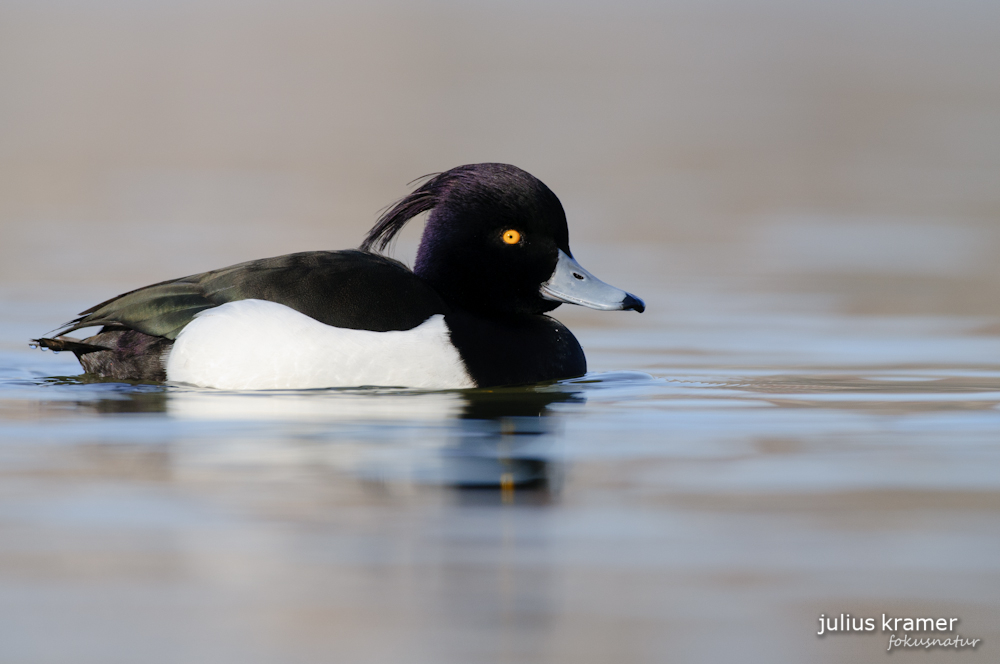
492	445
507	443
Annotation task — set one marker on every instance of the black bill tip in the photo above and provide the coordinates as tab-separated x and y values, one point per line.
634	303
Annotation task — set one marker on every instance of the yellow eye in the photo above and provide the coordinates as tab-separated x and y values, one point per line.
511	236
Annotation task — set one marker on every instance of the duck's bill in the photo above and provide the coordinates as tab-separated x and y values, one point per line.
572	284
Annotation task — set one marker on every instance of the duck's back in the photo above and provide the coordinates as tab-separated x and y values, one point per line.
350	289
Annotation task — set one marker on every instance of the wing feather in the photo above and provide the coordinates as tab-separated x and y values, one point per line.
351	289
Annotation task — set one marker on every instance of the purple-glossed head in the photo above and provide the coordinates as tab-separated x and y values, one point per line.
496	242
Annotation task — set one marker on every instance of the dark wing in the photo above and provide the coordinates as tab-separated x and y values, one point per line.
351	289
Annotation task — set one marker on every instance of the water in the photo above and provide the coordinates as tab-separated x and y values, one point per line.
728	472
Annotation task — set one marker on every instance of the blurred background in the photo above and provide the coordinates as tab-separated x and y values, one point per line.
804	421
839	142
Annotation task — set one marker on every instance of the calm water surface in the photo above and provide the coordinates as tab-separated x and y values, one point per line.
729	470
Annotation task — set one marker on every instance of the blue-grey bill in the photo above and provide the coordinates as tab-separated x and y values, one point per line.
572	284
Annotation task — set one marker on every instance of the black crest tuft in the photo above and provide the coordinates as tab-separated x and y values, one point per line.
488	185
424	198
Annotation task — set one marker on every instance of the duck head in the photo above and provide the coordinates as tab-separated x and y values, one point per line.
496	242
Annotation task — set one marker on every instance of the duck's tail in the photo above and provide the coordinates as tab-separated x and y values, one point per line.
77	346
118	353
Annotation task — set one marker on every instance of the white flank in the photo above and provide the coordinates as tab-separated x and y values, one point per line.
260	345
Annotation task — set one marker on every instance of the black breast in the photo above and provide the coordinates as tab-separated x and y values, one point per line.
515	350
